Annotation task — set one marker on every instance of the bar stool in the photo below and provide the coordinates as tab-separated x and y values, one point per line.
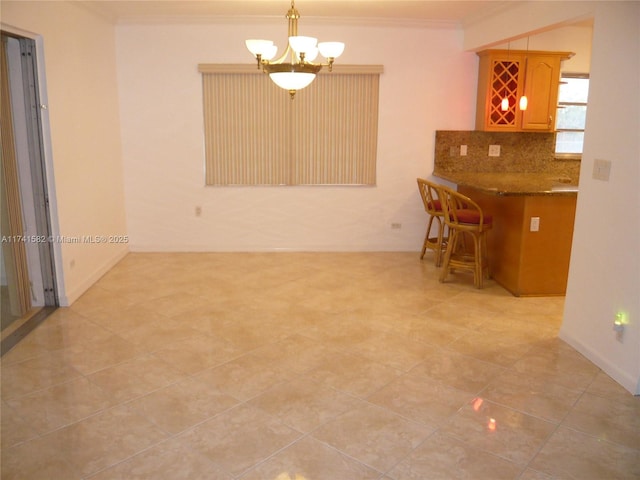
465	220
432	205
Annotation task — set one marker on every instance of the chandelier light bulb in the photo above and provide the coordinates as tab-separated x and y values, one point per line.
270	52
302	44
258	47
292	80
504	105
331	49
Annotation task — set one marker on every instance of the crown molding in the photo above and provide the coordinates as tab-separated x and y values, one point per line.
257	20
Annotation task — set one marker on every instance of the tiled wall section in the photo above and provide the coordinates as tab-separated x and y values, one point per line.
519	153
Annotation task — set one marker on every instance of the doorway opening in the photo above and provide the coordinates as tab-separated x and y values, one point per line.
27	273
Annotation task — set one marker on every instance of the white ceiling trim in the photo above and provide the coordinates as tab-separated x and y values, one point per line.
253	20
448	14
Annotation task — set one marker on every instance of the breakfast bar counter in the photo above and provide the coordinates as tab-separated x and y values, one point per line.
509	184
530	244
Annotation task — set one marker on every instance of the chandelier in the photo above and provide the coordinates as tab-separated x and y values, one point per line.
295	69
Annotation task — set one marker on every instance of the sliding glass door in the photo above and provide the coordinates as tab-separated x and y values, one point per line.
27	275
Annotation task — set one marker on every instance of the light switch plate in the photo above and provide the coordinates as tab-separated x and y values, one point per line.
463	150
601	169
494	150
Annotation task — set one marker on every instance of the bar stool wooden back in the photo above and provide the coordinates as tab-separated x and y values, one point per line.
433	206
468	226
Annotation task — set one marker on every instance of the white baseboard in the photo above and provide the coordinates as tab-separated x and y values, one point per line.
623	378
67	298
262	249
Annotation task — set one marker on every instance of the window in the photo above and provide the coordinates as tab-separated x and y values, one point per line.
256	135
571	114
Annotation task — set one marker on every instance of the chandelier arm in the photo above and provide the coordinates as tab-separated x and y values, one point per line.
287	52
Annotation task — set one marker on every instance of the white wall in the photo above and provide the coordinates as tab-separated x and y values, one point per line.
84	160
429	83
521	18
571	38
604	275
605	262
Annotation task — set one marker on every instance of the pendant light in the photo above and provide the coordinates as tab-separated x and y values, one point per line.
504	104
524	102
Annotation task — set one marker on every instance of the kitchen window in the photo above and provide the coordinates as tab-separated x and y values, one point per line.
256	135
571	114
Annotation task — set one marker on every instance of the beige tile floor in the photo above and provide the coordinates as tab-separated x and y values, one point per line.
308	366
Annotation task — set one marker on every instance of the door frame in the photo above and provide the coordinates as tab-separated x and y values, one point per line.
40	127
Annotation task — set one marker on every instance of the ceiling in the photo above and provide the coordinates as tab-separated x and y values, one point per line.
453	12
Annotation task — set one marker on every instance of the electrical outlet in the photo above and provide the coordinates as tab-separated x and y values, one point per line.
198	211
453	151
396	226
494	150
463	150
534	225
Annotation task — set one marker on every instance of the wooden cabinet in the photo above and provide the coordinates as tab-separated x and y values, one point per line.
528	263
512	74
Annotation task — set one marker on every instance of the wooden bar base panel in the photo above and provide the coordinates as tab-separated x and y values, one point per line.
525	262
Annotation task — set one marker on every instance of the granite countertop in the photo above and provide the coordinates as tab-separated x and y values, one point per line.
513	183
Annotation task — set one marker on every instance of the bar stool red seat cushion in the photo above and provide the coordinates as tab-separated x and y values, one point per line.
472	217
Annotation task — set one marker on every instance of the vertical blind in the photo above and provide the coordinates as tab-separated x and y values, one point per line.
256	135
14	250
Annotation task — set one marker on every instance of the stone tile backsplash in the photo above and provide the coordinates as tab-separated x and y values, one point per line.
520	152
